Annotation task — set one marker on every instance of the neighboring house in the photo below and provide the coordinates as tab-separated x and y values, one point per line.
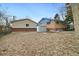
41	27
23	25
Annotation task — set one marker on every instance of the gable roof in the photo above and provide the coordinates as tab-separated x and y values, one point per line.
44	20
23	20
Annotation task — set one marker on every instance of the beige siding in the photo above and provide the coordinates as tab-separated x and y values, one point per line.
22	24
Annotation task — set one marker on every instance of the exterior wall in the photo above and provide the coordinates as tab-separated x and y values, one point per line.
75	10
22	24
41	29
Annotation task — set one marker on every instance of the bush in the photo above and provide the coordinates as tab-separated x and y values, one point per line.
6	30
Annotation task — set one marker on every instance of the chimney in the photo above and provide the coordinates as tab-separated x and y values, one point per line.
14	18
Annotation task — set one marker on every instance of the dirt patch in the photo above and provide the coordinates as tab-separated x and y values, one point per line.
39	44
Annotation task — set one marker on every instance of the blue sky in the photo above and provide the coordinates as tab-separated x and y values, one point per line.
35	11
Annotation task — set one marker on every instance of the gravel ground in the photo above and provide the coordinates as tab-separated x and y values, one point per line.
39	44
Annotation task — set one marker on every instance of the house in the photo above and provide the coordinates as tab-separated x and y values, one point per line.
23	25
41	26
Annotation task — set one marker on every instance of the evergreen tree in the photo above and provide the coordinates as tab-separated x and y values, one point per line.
69	18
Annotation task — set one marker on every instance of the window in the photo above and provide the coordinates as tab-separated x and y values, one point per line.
27	25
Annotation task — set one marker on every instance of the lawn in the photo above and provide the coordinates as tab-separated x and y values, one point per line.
39	44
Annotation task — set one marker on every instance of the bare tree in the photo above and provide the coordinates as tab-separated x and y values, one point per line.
63	12
4	17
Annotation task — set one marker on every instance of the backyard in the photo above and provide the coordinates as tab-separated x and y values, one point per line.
39	44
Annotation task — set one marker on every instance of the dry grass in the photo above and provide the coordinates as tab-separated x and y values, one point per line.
39	44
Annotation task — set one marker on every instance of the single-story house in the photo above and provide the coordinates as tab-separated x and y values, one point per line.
23	25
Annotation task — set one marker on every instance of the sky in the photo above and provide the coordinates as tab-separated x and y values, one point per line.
34	11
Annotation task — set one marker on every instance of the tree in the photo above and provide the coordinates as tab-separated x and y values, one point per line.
69	18
4	17
63	12
57	18
2	13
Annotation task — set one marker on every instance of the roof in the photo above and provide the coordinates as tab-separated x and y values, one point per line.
44	20
22	20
